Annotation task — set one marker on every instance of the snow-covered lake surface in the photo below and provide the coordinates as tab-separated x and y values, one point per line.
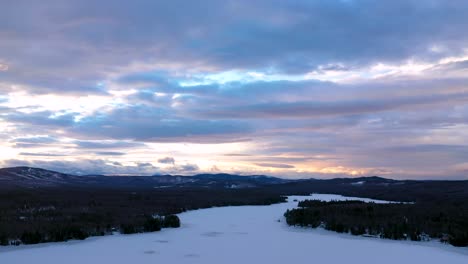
244	234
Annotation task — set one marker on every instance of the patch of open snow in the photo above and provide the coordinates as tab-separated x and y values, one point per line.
358	183
242	234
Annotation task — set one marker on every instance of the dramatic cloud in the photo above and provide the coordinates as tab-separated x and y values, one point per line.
3	67
275	165
31	142
188	168
167	160
106	144
110	153
40	154
318	109
145	123
290	88
296	36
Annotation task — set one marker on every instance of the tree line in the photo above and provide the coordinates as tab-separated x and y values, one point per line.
29	216
445	221
77	232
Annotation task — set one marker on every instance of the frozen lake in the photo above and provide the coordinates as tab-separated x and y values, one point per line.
244	234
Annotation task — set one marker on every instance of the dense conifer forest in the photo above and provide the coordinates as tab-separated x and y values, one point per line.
447	221
37	205
31	216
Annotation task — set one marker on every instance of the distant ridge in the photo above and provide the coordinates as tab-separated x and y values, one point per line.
37	177
28	177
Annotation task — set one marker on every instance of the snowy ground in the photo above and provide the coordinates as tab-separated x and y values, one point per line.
245	234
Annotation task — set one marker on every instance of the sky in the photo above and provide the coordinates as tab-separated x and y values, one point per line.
297	89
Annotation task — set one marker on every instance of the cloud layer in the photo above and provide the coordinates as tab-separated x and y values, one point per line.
289	88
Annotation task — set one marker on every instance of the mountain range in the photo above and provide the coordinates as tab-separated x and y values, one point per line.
372	187
28	177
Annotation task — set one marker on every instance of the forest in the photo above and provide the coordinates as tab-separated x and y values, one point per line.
446	221
31	216
37	213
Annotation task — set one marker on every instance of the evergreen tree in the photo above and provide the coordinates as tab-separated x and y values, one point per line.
171	221
152	224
